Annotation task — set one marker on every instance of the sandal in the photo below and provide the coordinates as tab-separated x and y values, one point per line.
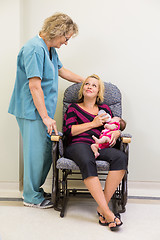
117	215
102	223
117	225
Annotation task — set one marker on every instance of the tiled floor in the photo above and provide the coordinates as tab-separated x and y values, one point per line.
141	221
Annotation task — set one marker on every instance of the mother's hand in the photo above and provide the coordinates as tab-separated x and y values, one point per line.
51	125
99	120
114	136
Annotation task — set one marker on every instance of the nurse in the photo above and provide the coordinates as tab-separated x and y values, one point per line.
34	101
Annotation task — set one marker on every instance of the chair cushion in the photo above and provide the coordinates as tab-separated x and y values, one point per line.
65	163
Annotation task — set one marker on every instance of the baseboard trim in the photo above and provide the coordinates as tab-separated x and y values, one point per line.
143	198
144	189
10	190
11	199
149	190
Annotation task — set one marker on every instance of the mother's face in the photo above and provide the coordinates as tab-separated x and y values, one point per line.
91	88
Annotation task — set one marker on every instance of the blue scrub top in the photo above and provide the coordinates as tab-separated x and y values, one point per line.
34	61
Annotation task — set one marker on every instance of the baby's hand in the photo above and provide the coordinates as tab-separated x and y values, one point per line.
114	136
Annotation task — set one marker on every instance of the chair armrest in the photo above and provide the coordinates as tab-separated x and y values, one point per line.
55	138
58	139
126	138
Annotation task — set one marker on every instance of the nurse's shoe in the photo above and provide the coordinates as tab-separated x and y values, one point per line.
43	205
47	196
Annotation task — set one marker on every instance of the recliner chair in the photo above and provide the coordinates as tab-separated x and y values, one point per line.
65	170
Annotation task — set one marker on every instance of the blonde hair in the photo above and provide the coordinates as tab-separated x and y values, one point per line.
58	24
100	96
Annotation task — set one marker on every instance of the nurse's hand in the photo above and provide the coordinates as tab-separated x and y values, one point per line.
51	125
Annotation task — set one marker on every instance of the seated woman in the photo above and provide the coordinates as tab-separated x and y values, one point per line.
81	121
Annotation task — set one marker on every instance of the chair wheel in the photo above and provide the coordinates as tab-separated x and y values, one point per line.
74	191
61	215
122	210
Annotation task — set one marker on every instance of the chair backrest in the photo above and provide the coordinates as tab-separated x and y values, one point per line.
112	97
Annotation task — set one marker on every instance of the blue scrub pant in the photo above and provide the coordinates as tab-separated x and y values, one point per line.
37	158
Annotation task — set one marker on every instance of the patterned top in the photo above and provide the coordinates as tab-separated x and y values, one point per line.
76	115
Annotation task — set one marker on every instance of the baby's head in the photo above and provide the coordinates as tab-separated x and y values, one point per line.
114	119
121	122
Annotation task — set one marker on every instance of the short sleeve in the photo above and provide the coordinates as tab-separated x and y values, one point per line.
60	65
33	64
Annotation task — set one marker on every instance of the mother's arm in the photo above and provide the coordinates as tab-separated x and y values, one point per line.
80	128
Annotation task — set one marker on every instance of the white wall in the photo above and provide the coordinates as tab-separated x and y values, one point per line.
119	41
9	42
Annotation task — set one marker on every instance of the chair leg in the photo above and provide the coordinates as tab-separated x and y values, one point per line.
114	204
120	196
115	200
56	195
124	193
55	174
124	189
64	192
64	204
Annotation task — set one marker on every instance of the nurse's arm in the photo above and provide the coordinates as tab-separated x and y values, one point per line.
70	76
38	99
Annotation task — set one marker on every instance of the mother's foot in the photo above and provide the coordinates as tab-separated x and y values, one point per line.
109	219
114	221
102	220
